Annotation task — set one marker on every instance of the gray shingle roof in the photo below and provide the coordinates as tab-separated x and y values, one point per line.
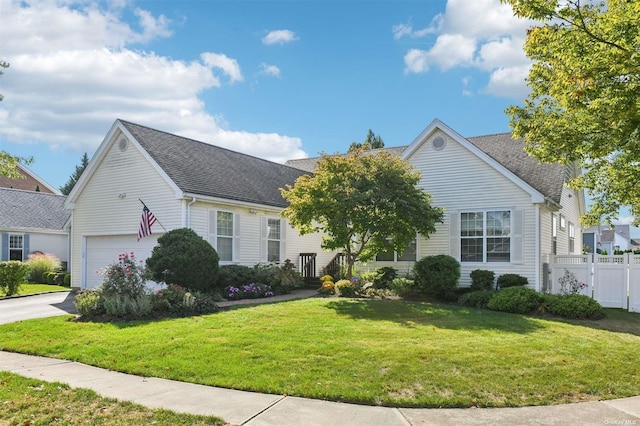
548	179
31	210
207	170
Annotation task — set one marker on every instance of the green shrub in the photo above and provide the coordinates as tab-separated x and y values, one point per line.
437	276
184	258
482	279
476	299
345	288
517	300
283	277
384	276
235	275
66	281
50	277
511	280
12	274
403	287
40	264
123	306
573	306
89	303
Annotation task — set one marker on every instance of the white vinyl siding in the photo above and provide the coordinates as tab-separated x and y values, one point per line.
109	204
460	181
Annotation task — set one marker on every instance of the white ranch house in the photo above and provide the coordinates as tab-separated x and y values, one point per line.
504	210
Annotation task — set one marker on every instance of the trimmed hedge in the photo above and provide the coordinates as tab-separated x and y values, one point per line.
482	279
437	276
511	280
476	299
516	300
573	306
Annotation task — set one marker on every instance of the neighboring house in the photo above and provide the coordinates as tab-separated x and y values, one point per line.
605	238
230	199
29	182
32	221
505	211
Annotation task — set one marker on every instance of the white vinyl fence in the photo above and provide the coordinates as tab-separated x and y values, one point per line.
614	281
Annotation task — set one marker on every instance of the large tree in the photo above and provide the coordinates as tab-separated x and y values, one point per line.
372	141
364	204
584	102
73	179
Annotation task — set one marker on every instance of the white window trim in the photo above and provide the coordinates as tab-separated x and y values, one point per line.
515	239
213	234
264	243
21	248
396	255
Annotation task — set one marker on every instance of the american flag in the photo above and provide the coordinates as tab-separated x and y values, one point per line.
146	221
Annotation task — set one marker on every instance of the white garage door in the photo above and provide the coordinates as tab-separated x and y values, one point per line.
102	251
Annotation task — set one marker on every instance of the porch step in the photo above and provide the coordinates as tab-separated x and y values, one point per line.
311	282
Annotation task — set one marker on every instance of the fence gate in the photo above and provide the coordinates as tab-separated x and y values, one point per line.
614	281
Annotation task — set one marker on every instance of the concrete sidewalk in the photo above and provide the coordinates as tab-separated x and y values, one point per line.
256	409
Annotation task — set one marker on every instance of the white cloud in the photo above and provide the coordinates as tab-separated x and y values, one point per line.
480	34
402	30
271	70
279	37
73	73
508	82
227	65
450	50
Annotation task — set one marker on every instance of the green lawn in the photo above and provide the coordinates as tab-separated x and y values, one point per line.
32	402
28	288
378	352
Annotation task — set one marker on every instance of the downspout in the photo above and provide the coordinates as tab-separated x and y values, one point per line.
193	200
537	254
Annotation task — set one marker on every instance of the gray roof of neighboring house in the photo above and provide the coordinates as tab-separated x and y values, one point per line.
32	210
548	179
310	164
204	169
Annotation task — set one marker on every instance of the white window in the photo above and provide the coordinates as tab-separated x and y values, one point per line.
485	236
223	234
16	247
273	239
572	237
554	234
409	254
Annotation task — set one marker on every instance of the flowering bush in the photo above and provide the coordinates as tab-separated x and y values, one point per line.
249	291
41	263
326	278
327	288
126	277
569	284
346	288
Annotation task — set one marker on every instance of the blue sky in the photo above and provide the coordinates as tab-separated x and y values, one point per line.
274	79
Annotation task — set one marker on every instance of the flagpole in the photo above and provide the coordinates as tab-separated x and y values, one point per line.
157	220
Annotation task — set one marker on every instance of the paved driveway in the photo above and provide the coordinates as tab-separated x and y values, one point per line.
36	306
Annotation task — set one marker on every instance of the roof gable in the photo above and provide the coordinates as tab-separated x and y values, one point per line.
32	210
208	170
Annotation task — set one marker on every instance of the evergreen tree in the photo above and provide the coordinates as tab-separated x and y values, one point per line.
66	189
372	141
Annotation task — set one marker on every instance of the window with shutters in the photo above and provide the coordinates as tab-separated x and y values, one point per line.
16	247
572	237
485	236
273	239
554	234
222	234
